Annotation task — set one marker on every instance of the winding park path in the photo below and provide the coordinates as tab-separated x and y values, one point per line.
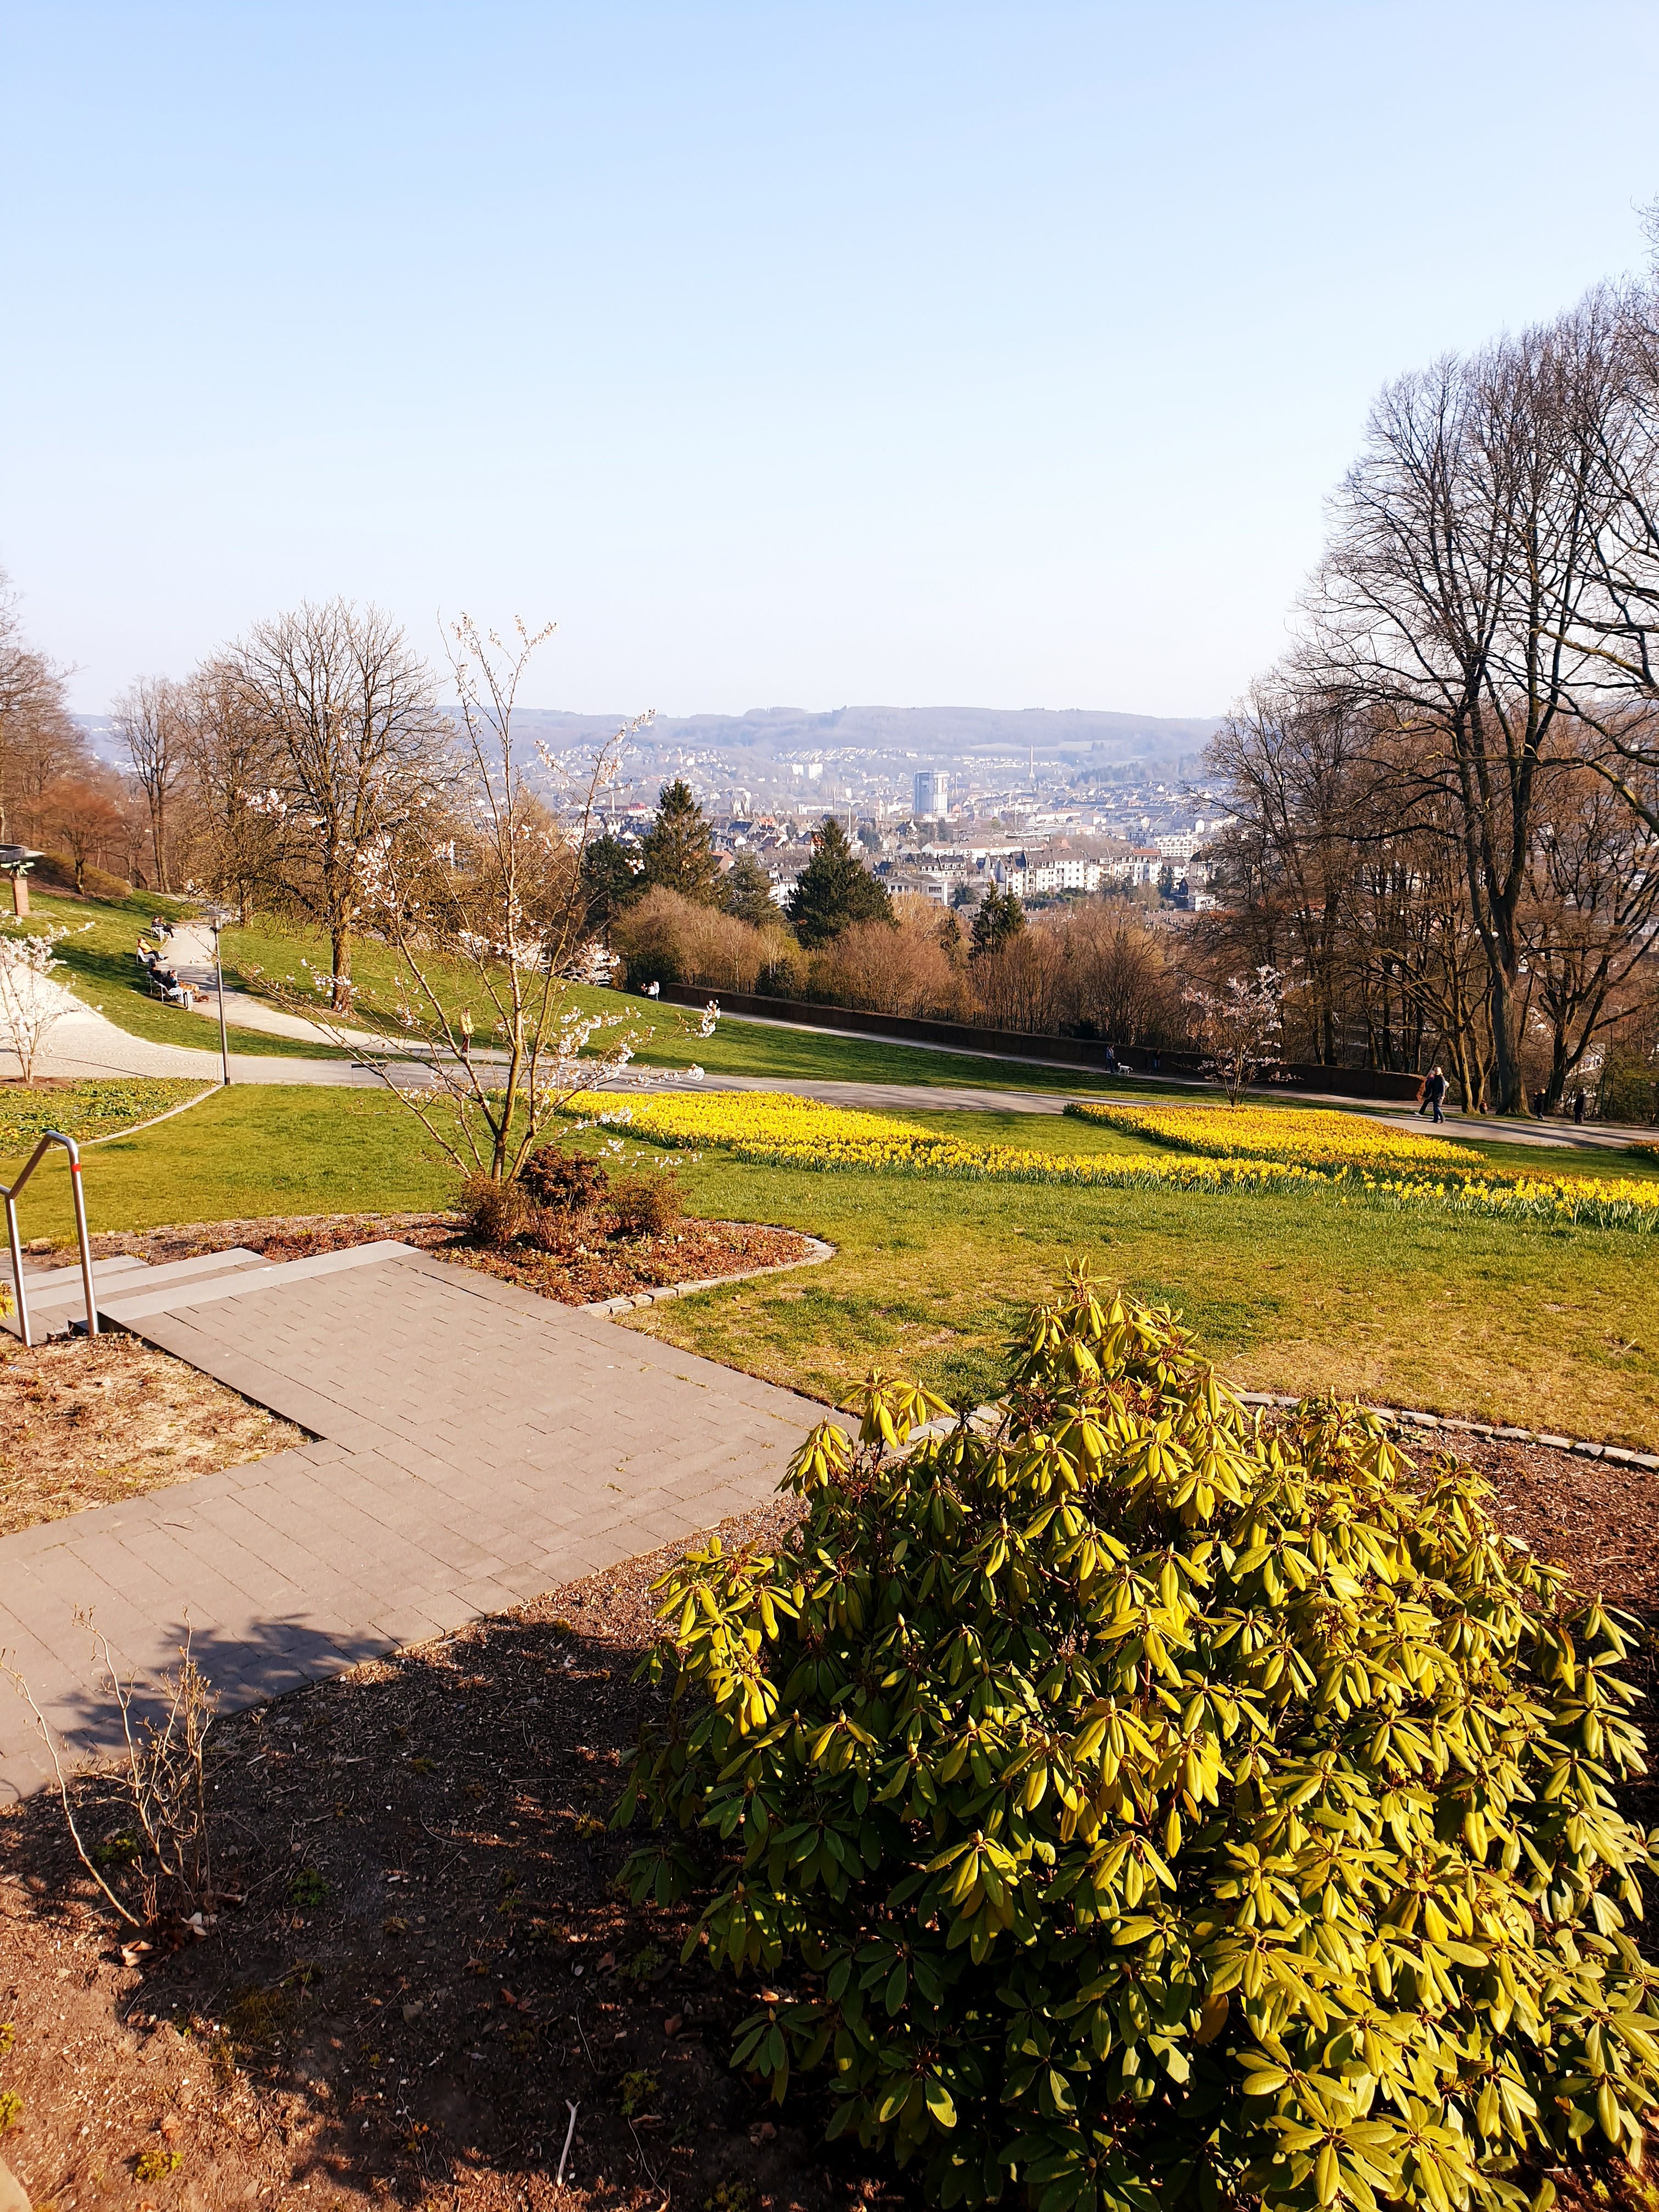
85	1043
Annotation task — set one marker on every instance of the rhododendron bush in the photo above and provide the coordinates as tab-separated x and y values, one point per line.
1134	1803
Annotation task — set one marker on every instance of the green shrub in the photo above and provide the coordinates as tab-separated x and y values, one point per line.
1140	1806
647	1205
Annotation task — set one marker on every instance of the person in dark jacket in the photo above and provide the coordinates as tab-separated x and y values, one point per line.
1579	1102
1434	1092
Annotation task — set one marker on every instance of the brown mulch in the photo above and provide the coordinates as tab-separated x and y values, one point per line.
690	1252
90	1423
423	1955
426	1958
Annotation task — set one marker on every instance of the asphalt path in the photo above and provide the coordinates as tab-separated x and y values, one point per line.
85	1043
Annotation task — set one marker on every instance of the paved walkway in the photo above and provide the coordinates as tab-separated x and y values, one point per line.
476	1445
86	1043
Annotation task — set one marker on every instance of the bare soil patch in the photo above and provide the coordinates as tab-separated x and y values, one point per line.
90	1422
691	1251
425	1962
423	1959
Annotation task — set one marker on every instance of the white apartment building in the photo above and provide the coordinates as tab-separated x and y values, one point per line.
1030	874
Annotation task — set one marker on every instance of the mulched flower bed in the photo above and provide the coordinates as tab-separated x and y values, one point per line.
92	1424
691	1251
424	1959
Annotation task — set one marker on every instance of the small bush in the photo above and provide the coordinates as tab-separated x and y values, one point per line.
307	1888
494	1211
647	1205
667	938
1138	1806
565	1181
155	2164
11	2110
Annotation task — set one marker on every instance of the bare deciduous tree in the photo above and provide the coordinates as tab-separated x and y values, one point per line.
1461	560
84	813
230	758
149	718
492	893
359	754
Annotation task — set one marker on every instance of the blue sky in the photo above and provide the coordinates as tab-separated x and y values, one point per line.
784	354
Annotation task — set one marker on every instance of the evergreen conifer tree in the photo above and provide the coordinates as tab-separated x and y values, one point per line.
611	881
1000	918
835	888
678	849
746	892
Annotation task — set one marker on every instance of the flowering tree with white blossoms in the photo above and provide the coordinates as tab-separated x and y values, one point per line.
1240	1026
31	1004
486	915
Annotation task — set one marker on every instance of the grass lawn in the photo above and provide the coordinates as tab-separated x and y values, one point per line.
1551	1328
100	966
665	1036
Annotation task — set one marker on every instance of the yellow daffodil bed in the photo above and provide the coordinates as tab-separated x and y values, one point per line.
1308	1136
776	1129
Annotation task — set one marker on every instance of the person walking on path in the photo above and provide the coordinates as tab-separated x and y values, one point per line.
1579	1102
1422	1094
1434	1093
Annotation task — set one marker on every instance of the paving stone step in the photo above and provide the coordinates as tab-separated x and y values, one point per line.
57	1302
37	1279
126	1305
63	1284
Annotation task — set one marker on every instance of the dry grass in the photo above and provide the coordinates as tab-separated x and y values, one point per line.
88	1424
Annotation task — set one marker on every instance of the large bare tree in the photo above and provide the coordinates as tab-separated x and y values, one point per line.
149	718
359	754
230	759
1463	556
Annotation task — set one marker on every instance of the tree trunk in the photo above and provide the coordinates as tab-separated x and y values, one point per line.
340	979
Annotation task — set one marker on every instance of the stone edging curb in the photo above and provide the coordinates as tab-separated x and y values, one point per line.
133	1127
1405	1417
607	1308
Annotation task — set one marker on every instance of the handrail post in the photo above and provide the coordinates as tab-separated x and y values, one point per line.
9	1195
82	1237
18	1291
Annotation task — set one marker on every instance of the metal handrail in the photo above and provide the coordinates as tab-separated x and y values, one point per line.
9	1194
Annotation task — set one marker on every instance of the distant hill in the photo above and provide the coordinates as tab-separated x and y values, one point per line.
896	734
941	733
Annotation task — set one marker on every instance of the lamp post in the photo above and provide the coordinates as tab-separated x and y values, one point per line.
216	915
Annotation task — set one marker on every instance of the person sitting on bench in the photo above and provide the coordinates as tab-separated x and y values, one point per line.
164	981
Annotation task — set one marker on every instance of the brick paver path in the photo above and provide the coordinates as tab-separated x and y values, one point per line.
478	1445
